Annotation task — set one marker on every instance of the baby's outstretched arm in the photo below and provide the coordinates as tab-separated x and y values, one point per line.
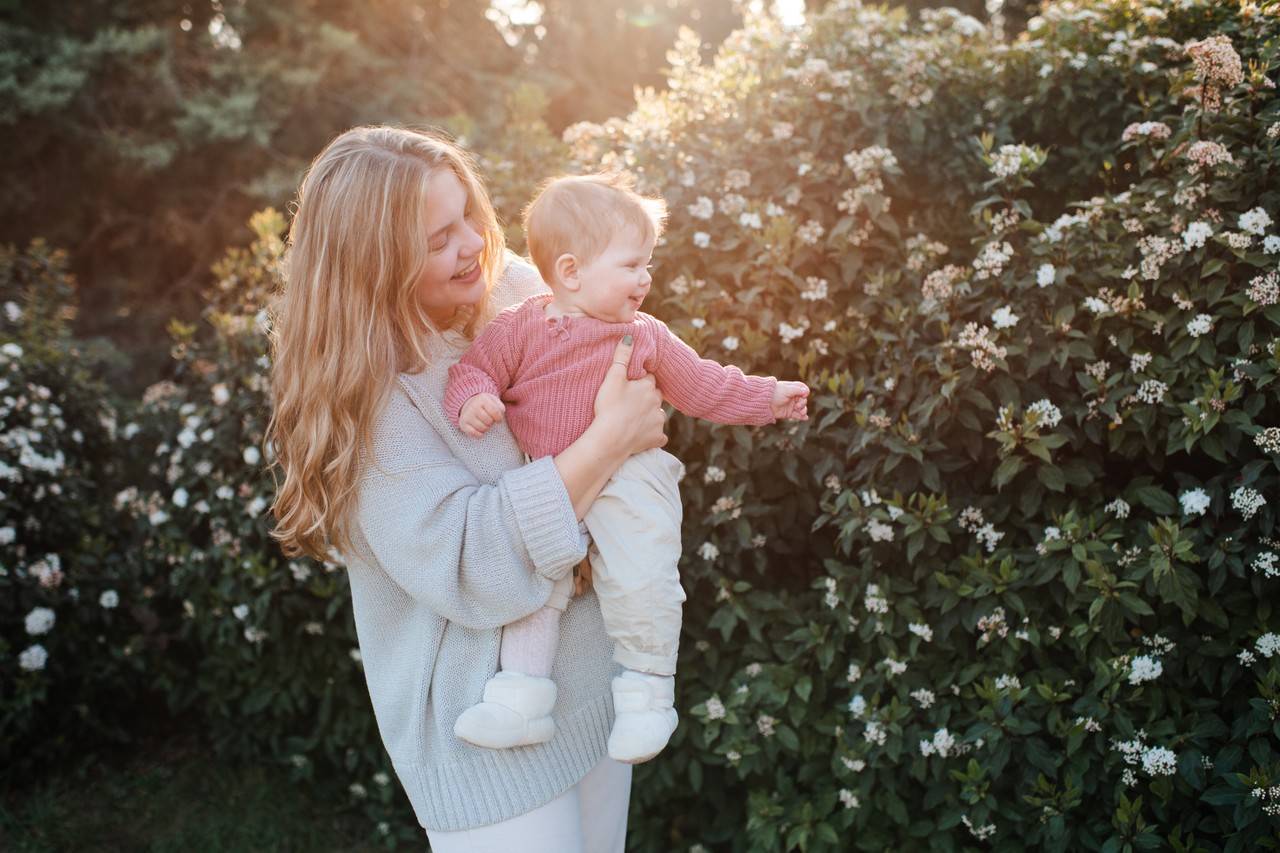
479	413
791	401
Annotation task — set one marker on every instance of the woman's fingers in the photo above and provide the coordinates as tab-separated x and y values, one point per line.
622	355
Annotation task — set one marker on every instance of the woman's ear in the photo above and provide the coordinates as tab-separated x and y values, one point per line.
566	268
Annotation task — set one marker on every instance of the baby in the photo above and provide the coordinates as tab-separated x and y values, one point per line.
539	365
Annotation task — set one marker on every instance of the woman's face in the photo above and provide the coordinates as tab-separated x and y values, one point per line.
453	276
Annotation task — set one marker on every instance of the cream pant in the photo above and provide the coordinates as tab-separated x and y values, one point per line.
635	552
590	817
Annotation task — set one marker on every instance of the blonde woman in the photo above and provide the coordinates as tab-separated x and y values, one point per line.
395	261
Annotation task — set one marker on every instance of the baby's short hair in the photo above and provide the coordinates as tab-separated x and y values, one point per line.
580	214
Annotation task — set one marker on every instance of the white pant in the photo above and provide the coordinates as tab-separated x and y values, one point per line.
635	556
590	817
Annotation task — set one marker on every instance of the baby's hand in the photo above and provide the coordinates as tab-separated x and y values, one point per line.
791	401
479	413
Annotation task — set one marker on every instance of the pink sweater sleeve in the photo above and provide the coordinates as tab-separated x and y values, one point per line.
486	367
705	389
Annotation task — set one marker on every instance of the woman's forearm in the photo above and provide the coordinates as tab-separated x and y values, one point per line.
586	466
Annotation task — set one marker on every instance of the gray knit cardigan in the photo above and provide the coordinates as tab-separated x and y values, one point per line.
453	538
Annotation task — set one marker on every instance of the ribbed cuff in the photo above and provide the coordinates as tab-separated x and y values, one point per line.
462	387
764	414
545	514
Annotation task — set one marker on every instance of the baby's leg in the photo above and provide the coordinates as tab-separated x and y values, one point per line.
515	709
635	528
529	646
635	532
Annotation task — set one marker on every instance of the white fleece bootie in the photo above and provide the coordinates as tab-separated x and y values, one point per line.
644	716
516	711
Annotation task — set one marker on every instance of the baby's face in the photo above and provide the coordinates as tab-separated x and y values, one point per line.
617	281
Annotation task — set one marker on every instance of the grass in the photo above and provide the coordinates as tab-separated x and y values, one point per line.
173	798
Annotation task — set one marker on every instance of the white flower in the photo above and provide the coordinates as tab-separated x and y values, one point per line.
1158	761
225	493
1004	318
1008	681
1194	502
180	498
356	656
1199	325
1255	221
942	744
857	705
240	611
1152	391
703	208
924	697
39	621
730	343
922	631
1047	414
254	635
708	551
12	350
109	599
7	534
1268	644
698	322
252	456
1247	501
357	790
33	658
701	239
1195	234
764	724
1267	564
220	393
1045	274
879	531
256	506
1144	668
1271	244
715	708
849	799
13	311
713	475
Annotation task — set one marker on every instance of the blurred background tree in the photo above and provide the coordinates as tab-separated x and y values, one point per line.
141	133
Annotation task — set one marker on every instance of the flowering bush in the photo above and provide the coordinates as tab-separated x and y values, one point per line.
1012	583
73	621
263	650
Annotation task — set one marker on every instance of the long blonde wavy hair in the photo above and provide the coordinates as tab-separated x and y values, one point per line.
348	319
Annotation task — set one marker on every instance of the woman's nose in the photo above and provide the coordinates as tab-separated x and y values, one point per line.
475	241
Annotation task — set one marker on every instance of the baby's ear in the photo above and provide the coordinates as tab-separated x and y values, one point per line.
566	269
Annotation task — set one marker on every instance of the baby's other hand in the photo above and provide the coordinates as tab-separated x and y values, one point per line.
791	401
479	413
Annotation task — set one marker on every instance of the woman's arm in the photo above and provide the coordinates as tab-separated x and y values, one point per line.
628	419
485	555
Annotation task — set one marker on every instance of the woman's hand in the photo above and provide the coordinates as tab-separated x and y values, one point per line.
630	411
628	419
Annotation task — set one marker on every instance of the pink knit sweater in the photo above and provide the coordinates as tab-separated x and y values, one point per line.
547	371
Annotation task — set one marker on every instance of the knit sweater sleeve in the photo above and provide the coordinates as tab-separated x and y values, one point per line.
705	389
487	367
481	555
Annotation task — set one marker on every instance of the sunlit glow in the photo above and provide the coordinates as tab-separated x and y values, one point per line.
789	12
511	17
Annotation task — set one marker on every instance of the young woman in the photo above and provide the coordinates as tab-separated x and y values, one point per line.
395	260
